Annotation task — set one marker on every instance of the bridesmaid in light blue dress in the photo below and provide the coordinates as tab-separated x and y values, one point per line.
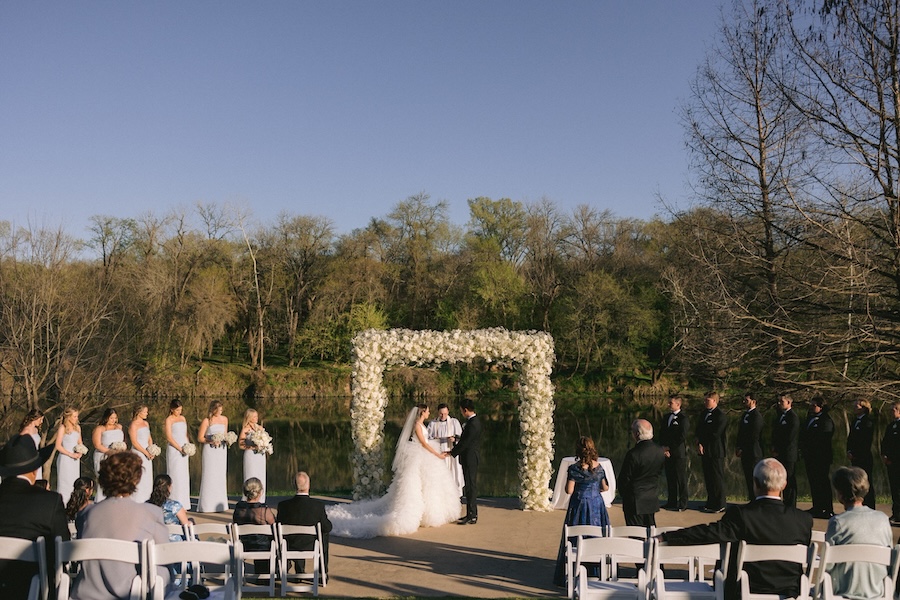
105	434
31	426
213	484
139	434
68	462
176	459
254	460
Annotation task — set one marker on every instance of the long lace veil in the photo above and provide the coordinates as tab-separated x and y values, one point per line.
405	433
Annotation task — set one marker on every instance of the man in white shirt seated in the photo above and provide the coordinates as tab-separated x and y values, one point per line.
442	435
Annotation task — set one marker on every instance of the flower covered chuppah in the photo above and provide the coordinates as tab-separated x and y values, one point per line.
531	353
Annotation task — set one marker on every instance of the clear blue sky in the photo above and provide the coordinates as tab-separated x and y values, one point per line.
342	108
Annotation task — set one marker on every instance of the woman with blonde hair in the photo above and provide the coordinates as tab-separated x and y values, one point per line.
176	457
213	482
68	461
141	440
106	433
254	458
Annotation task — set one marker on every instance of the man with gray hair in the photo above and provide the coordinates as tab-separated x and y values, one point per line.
639	477
304	510
765	520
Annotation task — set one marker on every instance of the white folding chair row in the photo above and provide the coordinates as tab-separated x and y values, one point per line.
269	555
31	552
300	582
889	558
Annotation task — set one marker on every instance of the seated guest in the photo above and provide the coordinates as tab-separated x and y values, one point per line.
303	510
26	511
173	511
765	520
858	524
117	517
81	497
253	512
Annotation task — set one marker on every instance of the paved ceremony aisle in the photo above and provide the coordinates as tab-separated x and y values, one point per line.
509	552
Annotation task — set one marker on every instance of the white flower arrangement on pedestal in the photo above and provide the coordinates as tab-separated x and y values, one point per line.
530	352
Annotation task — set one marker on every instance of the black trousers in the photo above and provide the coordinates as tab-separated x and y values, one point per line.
790	492
893	471
676	480
648	520
866	463
714	475
470	489
819	484
748	462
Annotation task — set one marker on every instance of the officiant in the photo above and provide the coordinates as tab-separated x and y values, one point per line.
442	435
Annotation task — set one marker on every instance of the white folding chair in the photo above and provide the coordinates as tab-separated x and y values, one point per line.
226	556
693	559
299	582
29	552
268	555
596	551
749	553
323	572
178	529
572	533
89	549
209	532
856	553
630	531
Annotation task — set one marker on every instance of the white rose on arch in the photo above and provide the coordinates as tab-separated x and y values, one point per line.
532	354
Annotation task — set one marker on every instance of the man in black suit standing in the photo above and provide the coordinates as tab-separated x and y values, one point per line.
468	449
765	520
27	511
710	433
749	441
638	480
785	444
303	510
815	445
859	445
890	456
672	438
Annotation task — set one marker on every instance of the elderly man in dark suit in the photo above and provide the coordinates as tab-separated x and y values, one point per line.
672	438
765	520
468	449
304	510
26	511
639	477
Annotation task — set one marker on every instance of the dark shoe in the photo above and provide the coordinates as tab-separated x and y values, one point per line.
473	520
463	521
462	500
706	509
894	522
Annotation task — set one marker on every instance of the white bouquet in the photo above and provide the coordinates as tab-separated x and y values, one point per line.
154	450
216	439
230	438
188	449
261	440
80	449
118	447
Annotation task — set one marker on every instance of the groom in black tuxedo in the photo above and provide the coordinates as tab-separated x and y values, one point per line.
468	449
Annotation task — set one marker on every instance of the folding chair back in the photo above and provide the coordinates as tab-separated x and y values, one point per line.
209	532
226	556
90	549
693	559
300	582
572	533
749	553
268	555
30	552
618	550
856	553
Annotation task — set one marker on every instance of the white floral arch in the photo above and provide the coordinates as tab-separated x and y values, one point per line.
531	353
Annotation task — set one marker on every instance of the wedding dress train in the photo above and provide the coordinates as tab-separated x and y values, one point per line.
422	494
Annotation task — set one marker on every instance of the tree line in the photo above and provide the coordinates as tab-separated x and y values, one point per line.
782	272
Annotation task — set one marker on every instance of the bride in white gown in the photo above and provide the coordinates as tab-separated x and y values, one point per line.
422	493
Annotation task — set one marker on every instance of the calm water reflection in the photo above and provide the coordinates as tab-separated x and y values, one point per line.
322	444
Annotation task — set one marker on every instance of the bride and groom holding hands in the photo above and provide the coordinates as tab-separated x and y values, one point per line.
423	492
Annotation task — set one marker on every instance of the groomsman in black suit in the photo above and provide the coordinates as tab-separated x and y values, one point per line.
785	444
27	512
672	438
468	449
765	520
638	481
303	510
815	445
710	433
749	441
859	445
890	456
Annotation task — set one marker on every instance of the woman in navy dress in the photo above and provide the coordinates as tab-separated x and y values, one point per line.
585	480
